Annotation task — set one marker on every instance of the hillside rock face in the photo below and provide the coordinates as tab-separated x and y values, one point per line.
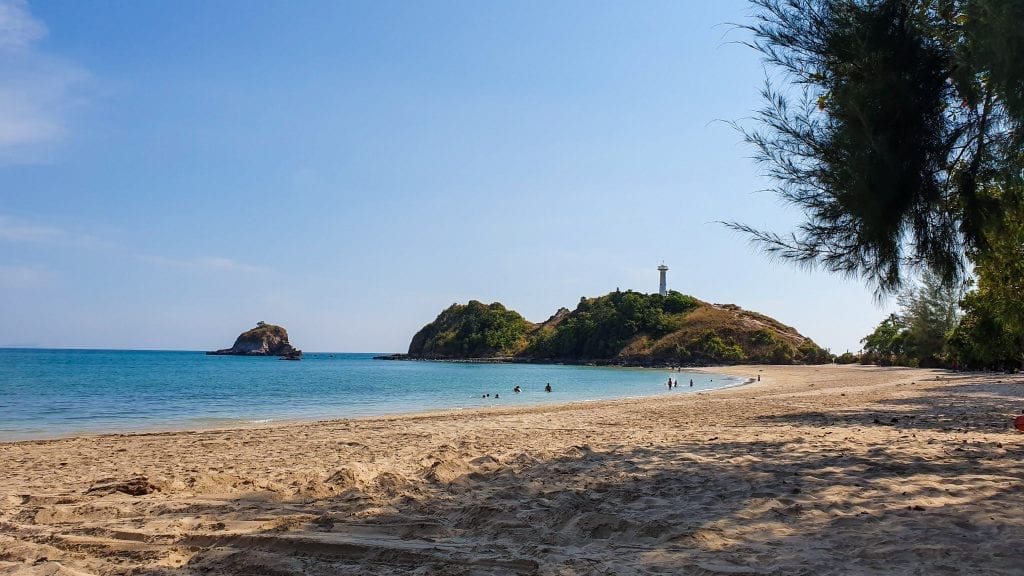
622	328
263	340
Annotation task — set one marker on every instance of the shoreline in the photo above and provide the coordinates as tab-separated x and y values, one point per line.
159	430
200	423
891	470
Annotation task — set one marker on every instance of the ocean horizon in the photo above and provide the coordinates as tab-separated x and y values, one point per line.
49	393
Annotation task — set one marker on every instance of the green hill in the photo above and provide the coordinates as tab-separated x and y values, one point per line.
472	330
619	328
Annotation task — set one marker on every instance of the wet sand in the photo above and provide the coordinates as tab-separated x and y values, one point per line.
813	470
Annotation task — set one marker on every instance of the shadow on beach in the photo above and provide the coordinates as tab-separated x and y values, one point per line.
981	406
666	490
710	507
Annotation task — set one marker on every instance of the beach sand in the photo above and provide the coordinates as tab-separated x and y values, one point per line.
813	470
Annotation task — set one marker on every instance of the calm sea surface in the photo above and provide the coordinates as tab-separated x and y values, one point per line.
52	393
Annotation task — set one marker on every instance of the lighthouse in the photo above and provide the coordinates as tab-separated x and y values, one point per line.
662	285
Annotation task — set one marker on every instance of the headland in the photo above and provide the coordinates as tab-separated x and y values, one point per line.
621	328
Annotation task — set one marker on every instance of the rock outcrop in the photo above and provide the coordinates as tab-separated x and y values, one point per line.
263	340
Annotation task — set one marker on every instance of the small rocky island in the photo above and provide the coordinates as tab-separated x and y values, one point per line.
263	340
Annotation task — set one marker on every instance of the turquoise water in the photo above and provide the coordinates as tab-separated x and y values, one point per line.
53	393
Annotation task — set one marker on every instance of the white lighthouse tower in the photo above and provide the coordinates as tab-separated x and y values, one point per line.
662	286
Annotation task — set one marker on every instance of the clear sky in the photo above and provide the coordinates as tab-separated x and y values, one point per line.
173	172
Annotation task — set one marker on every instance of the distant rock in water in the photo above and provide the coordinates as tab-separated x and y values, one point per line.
263	340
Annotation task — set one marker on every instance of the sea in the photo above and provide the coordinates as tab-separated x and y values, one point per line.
56	393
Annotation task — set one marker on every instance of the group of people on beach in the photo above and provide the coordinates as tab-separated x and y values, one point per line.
675	383
518	389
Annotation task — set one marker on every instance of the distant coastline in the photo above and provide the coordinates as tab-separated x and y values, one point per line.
603	363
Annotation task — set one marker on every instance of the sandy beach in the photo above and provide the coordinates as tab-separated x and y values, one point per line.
813	470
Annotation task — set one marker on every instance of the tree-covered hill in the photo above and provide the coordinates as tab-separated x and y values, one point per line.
622	328
473	330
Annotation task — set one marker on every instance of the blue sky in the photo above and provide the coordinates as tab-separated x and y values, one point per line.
173	172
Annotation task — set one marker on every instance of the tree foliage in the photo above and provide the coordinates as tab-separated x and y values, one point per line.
930	311
918	335
991	333
847	358
718	349
601	327
885	345
473	330
897	130
982	339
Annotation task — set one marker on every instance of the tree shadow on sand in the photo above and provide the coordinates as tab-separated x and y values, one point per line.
985	406
708	507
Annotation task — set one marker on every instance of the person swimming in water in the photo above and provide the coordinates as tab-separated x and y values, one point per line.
517	389
547	387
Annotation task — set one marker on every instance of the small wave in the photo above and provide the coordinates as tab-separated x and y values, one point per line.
260	421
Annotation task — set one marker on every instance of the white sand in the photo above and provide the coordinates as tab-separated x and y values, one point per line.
814	470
